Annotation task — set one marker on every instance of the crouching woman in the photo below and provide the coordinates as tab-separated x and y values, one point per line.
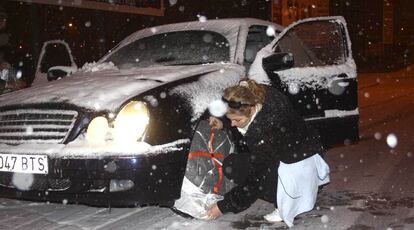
279	154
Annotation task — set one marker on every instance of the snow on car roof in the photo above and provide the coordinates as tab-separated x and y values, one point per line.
231	28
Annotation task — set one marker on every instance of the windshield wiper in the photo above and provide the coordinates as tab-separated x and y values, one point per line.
193	63
165	59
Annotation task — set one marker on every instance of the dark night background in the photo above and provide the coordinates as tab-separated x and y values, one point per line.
94	32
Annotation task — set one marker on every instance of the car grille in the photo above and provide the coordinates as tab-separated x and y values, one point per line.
39	183
36	126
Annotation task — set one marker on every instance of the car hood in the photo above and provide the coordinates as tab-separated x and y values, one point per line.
106	88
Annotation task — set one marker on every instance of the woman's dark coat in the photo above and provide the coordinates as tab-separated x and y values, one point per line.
276	134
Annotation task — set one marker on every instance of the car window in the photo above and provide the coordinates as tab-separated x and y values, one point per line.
56	54
173	48
317	43
257	38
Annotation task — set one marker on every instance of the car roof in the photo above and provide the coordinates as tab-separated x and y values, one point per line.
231	28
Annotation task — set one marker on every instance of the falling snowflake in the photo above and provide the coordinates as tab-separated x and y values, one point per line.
88	24
152	100
29	130
110	167
19	74
181	8
173	2
207	38
293	88
163	95
324	219
65	201
347	142
270	31
22	181
337	88
377	135
392	140
202	18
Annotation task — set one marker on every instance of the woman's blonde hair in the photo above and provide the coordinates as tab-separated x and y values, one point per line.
247	94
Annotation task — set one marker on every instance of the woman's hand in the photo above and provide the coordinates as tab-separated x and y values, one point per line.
215	123
213	212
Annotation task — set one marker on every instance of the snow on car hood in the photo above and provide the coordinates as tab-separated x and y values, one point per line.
105	87
81	149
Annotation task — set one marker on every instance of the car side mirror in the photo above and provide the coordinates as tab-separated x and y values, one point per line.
56	73
277	62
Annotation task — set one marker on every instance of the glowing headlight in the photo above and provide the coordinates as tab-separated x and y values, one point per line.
97	130
131	122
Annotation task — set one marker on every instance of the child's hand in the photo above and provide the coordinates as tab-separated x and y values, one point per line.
213	212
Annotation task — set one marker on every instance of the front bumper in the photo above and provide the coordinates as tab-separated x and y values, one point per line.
157	179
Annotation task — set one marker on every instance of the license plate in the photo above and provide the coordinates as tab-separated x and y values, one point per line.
37	164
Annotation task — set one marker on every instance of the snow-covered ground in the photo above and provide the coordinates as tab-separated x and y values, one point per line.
372	181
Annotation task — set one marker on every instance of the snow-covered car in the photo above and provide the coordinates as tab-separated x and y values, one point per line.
118	131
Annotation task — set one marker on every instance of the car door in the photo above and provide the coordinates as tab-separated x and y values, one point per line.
257	38
57	56
322	83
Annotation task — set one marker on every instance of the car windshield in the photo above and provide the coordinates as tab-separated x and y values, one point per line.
173	48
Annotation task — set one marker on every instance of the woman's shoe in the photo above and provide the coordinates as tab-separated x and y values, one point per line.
273	216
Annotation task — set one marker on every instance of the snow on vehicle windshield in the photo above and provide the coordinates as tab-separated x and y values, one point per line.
173	48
